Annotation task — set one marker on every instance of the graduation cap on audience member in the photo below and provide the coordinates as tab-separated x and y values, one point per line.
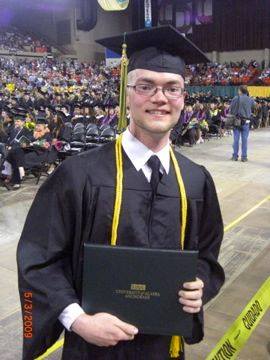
160	49
61	113
77	105
190	101
41	118
20	116
7	109
21	110
17	111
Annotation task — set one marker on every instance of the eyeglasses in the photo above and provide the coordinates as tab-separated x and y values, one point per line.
148	90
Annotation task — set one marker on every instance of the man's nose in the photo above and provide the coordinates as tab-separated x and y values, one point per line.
159	96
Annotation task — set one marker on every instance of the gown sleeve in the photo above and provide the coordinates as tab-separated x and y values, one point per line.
45	256
209	242
210	238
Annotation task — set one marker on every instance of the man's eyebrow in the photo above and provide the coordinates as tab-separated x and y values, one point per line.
147	80
150	81
173	82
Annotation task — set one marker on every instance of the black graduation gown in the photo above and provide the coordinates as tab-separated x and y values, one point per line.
75	205
36	155
16	133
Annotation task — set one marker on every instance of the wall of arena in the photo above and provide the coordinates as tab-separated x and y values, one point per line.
82	44
108	24
247	55
60	28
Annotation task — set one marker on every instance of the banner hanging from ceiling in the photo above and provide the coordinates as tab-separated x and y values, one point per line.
147	13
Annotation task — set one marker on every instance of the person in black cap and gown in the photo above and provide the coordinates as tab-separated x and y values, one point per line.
31	153
76	205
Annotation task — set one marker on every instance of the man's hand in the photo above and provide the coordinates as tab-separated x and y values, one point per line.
103	329
191	296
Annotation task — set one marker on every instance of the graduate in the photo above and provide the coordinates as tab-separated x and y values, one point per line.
167	202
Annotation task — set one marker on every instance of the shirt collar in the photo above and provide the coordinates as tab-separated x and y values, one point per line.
139	154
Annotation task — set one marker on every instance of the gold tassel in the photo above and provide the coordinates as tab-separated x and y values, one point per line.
122	123
119	189
176	346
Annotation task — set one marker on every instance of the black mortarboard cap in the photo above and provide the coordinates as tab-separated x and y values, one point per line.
61	113
161	49
41	118
21	110
190	101
21	117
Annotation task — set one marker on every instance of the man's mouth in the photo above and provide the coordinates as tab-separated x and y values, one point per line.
157	112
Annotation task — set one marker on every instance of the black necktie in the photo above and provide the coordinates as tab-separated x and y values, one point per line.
154	164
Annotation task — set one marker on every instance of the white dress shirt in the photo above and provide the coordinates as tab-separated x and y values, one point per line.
138	154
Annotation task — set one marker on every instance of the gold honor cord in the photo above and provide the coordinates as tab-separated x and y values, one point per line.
119	189
176	345
183	196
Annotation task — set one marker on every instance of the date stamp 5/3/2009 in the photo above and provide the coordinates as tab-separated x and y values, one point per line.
28	314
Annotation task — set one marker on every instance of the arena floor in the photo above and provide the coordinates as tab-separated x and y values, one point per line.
245	253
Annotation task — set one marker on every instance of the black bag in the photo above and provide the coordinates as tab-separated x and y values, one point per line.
230	120
234	120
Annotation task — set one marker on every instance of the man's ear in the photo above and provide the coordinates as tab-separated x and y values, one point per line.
183	102
182	106
127	100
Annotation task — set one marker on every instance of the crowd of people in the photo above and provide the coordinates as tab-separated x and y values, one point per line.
233	73
58	82
30	139
35	133
265	77
205	116
13	40
228	74
39	97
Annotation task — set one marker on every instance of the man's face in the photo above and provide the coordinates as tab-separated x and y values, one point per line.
18	123
77	111
39	127
154	114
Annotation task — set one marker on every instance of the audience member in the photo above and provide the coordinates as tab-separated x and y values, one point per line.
241	106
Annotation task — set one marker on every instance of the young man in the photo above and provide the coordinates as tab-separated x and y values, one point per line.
76	205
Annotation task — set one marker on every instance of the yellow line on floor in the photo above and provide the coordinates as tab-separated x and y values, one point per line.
52	349
60	342
243	216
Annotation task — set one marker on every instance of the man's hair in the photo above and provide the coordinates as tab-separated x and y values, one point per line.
131	76
244	89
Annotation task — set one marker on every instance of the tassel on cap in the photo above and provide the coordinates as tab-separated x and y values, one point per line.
176	346
122	122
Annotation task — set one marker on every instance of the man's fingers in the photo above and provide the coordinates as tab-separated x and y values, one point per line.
127	328
191	310
193	285
192	295
191	303
192	299
127	337
120	335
